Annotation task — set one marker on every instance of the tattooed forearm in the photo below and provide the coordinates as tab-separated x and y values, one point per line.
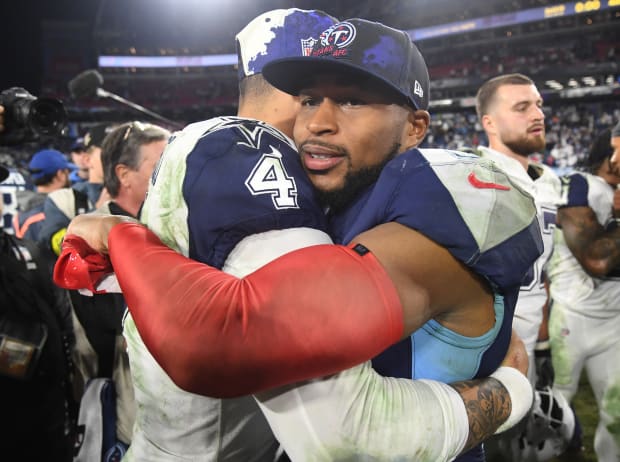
597	249
488	406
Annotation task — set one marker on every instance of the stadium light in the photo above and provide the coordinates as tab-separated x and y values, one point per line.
554	84
589	80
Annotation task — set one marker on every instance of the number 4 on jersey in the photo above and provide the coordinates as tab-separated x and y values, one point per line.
270	177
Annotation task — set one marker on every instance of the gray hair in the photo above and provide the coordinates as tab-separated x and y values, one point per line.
122	146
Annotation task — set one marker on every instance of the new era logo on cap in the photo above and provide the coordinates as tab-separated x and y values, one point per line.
368	49
417	89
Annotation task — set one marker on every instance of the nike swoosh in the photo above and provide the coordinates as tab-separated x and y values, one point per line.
485	184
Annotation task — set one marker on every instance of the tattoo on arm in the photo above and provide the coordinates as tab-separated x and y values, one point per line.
597	250
488	405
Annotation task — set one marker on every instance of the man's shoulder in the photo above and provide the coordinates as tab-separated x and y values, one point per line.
466	172
232	131
583	189
443	188
439	156
28	199
226	140
548	184
65	197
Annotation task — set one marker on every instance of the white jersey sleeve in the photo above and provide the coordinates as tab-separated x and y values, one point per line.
360	415
357	413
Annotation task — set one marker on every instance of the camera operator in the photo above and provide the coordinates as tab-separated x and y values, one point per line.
35	364
36	332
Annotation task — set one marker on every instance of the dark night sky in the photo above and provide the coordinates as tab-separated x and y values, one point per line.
20	36
20	27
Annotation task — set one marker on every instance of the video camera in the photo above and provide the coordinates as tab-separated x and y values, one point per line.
28	118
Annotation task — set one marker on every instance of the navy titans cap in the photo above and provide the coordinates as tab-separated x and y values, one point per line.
369	49
278	34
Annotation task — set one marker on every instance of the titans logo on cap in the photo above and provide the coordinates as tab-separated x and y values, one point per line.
340	35
334	40
356	46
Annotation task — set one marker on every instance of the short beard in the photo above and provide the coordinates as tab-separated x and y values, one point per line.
525	147
354	183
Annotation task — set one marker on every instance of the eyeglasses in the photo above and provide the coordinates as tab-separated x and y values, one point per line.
116	149
137	125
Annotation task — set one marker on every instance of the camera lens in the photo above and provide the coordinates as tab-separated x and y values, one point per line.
47	116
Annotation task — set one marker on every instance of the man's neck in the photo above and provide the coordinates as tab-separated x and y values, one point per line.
265	114
47	188
127	204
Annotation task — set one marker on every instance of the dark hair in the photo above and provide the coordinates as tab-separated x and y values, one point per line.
45	179
600	150
122	146
487	91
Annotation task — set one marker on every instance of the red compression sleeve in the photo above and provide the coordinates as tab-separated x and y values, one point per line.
309	313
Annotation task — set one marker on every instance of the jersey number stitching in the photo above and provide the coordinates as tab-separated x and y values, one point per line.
270	177
535	275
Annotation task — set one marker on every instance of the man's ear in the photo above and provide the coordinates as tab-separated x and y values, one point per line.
59	174
121	170
488	125
417	126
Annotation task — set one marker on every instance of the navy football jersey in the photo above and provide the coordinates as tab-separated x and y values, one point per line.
484	219
219	184
221	191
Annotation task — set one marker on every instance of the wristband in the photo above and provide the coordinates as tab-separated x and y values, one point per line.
542	345
521	395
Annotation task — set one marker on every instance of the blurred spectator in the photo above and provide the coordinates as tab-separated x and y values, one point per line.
9	188
79	156
64	204
128	156
564	155
50	171
92	145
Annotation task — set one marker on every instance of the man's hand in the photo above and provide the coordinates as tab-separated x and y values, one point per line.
516	356
1	118
94	229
